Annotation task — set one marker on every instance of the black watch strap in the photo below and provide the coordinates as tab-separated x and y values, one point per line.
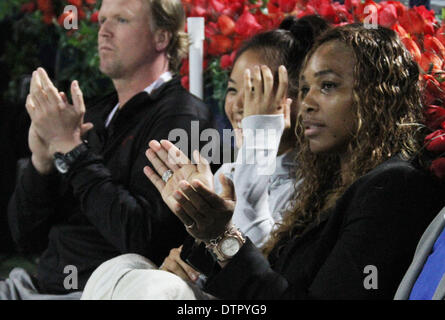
75	154
63	162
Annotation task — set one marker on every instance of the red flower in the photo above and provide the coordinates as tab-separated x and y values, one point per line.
350	5
81	14
279	6
432	44
95	17
270	21
48	18
252	5
432	90
226	61
247	25
211	29
438	167
237	42
273	6
234	8
435	116
440	34
442	89
90	2
326	11
343	15
435	142
400	30
428	28
430	61
388	15
428	15
413	48
185	82
219	44
198	11
217	5
28	7
77	3
44	5
400	7
288	5
184	67
226	25
309	10
412	21
418	20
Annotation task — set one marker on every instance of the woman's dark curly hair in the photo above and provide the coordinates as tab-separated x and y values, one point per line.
387	102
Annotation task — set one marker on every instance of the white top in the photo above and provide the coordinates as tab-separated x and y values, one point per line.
263	187
165	77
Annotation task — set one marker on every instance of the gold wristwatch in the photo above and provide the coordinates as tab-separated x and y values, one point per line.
227	245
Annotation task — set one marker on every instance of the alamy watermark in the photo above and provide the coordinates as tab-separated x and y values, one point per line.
71	20
259	146
371	17
71	281
372	277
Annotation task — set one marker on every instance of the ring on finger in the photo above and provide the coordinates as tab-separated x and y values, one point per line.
167	175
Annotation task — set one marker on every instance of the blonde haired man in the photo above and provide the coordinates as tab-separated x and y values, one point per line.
86	202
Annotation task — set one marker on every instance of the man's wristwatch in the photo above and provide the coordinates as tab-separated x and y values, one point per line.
226	246
63	162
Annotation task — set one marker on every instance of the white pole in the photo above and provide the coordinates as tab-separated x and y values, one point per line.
195	28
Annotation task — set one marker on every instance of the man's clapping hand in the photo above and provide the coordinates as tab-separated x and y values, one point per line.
56	125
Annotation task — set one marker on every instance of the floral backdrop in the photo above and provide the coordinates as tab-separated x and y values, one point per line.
38	36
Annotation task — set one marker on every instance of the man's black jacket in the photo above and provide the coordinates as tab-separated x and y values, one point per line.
105	206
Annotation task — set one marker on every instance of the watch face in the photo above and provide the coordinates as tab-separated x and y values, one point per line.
61	165
230	246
